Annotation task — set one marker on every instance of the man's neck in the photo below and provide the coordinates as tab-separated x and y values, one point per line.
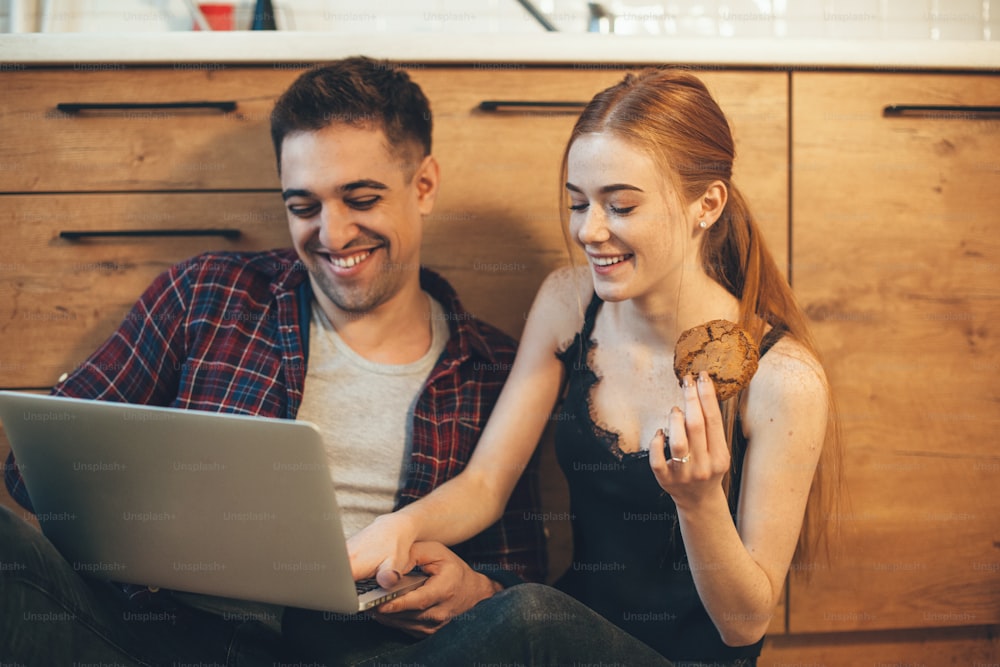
395	332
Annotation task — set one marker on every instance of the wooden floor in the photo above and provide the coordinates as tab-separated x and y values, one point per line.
976	646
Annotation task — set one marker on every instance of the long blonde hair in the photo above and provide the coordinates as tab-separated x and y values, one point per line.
671	115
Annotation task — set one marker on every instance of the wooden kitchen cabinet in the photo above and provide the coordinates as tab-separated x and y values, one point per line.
896	259
894	253
495	232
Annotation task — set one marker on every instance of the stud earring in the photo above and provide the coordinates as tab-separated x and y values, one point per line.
703	224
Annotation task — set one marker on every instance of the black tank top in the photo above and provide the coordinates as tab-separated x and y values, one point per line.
629	563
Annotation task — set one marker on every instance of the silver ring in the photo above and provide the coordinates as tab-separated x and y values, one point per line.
681	460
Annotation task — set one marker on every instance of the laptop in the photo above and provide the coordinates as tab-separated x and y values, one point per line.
217	504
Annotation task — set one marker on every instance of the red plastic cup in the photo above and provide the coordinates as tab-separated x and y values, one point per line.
218	14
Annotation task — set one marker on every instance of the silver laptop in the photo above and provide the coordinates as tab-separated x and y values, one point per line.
234	506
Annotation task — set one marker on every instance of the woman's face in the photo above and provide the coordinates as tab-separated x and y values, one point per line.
628	218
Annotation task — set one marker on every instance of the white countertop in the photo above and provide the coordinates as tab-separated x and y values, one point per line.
245	47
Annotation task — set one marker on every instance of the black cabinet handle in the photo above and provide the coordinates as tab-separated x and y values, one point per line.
76	107
231	234
942	111
498	105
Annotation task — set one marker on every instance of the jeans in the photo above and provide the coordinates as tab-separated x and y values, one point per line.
529	624
52	616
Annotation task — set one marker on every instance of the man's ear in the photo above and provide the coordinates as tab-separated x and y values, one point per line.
426	179
712	202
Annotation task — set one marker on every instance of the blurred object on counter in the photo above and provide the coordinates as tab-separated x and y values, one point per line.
263	16
218	15
197	18
601	20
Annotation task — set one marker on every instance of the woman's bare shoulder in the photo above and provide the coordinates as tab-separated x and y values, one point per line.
561	303
788	358
789	384
570	285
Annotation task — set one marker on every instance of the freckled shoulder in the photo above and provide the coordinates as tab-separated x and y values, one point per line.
790	383
790	359
562	301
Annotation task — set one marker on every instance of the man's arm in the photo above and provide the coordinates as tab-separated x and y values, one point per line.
141	360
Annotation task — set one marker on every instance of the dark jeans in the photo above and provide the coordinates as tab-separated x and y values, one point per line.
530	624
52	616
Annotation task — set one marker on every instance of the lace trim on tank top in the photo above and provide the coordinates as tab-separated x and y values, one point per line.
584	345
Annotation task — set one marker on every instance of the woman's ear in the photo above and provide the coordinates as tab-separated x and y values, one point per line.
711	203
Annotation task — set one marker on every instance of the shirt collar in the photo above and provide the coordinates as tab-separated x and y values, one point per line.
283	267
461	322
287	272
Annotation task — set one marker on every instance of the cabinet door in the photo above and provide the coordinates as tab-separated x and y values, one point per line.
495	231
896	258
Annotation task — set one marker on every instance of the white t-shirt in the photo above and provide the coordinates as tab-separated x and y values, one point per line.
365	412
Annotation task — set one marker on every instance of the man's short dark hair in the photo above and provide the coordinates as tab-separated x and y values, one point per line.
358	91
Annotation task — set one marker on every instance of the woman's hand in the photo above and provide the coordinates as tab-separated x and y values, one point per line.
699	454
382	550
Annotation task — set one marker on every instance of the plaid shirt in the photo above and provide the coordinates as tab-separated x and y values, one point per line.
228	332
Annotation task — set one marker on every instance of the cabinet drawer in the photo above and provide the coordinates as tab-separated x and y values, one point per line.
48	150
62	297
896	260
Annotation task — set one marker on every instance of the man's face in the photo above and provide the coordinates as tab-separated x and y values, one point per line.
355	214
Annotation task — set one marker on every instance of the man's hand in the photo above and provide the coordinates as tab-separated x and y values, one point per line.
452	589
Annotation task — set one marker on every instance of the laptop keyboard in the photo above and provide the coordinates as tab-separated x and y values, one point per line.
365	585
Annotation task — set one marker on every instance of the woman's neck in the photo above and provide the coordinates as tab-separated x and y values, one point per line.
661	317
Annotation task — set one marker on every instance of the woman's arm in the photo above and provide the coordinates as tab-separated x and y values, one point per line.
474	499
739	570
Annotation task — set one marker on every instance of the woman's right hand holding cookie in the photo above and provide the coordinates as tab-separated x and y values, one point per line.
697	458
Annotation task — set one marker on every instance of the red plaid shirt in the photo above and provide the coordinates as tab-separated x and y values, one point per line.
228	332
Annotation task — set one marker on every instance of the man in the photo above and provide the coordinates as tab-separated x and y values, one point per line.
347	331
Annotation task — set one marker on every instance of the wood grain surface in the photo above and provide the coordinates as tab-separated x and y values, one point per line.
896	258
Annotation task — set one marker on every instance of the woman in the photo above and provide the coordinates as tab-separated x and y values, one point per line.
686	513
